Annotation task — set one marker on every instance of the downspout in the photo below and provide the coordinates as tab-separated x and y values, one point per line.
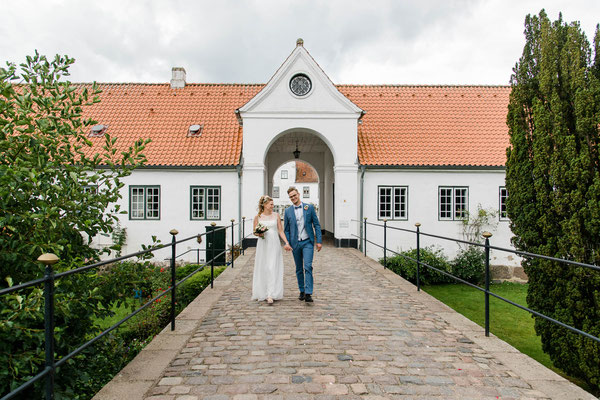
360	220
239	172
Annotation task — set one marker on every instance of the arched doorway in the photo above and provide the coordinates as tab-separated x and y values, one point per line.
312	150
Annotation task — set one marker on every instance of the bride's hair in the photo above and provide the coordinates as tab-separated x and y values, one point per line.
261	204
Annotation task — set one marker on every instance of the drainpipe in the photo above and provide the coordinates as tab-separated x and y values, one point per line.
239	172
360	220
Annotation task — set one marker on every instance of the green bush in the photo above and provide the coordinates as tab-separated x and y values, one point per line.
469	264
407	268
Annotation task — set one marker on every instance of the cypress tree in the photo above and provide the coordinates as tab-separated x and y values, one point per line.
553	181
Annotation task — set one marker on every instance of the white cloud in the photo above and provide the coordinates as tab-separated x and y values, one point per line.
376	41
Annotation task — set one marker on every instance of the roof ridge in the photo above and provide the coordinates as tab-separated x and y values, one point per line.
422	85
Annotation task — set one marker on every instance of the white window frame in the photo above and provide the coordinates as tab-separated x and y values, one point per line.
204	197
394	203
284	174
306	192
449	206
502	197
275	192
147	202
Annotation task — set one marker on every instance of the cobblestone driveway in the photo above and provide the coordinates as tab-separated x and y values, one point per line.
365	336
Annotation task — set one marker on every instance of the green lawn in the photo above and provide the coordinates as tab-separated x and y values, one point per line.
509	323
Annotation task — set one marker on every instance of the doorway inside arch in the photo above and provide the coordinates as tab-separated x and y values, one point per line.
301	159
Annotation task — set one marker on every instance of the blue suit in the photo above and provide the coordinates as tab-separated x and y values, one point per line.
303	251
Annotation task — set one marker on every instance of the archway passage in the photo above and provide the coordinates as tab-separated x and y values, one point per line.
312	152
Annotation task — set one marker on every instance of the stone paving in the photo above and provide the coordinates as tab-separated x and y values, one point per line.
368	335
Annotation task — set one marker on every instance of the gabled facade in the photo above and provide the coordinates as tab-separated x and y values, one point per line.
407	154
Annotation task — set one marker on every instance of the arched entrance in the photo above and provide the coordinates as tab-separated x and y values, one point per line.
311	149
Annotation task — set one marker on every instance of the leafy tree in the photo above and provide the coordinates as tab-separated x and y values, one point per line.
55	196
553	181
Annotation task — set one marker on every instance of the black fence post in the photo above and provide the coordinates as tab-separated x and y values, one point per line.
173	233
384	243
418	225
243	234
487	236
212	254
232	242
199	240
49	260
365	237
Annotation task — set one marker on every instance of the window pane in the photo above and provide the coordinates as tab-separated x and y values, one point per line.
445	203
385	202
197	203
137	203
152	203
275	192
503	197
460	203
306	191
399	202
284	174
213	202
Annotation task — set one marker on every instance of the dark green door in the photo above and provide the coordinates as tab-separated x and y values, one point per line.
215	244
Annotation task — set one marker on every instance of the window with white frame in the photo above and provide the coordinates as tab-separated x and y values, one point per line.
306	192
144	202
393	202
284	174
275	192
205	202
453	203
502	208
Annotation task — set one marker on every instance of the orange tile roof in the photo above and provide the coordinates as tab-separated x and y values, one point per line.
431	125
140	111
403	125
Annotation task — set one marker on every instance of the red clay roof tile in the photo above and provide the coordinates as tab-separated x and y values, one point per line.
403	125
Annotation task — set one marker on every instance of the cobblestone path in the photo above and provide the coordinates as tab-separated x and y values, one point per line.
365	336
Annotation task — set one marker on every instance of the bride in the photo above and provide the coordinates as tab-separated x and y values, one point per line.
267	282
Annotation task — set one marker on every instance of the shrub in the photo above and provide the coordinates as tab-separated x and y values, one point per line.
469	264
407	268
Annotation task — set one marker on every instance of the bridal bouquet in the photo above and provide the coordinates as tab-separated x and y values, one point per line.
260	228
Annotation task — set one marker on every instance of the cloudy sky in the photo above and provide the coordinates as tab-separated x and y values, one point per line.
369	41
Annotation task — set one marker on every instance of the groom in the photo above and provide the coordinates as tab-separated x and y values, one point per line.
299	222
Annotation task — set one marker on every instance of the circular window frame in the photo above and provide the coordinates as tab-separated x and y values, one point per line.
310	90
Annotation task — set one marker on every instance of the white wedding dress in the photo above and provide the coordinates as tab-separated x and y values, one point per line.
268	263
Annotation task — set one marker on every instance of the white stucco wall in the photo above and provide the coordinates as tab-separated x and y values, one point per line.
423	187
175	209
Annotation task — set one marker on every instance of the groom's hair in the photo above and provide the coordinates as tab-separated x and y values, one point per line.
292	188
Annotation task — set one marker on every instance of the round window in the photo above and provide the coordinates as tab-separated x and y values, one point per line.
300	85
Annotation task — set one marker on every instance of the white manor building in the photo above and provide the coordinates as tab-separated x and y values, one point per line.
404	154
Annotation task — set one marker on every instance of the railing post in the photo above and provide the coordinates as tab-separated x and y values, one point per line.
199	240
232	242
384	243
487	236
212	254
48	260
365	238
243	234
418	225
173	233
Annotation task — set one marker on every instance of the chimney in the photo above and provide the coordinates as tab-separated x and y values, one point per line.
178	78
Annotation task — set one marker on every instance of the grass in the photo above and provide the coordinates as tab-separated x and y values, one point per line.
507	322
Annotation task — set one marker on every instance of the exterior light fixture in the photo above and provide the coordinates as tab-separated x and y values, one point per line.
296	152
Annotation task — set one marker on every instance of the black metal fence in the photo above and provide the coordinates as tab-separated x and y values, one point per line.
51	364
487	247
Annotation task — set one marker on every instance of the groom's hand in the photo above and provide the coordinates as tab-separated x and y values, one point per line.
319	245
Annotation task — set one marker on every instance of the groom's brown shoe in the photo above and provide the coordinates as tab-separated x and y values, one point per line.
308	298
301	297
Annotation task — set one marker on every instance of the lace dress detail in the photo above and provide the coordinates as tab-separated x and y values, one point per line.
268	263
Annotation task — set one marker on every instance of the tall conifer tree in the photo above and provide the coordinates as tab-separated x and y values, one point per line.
553	181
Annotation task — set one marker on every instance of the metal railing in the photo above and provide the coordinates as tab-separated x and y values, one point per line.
487	247
48	260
